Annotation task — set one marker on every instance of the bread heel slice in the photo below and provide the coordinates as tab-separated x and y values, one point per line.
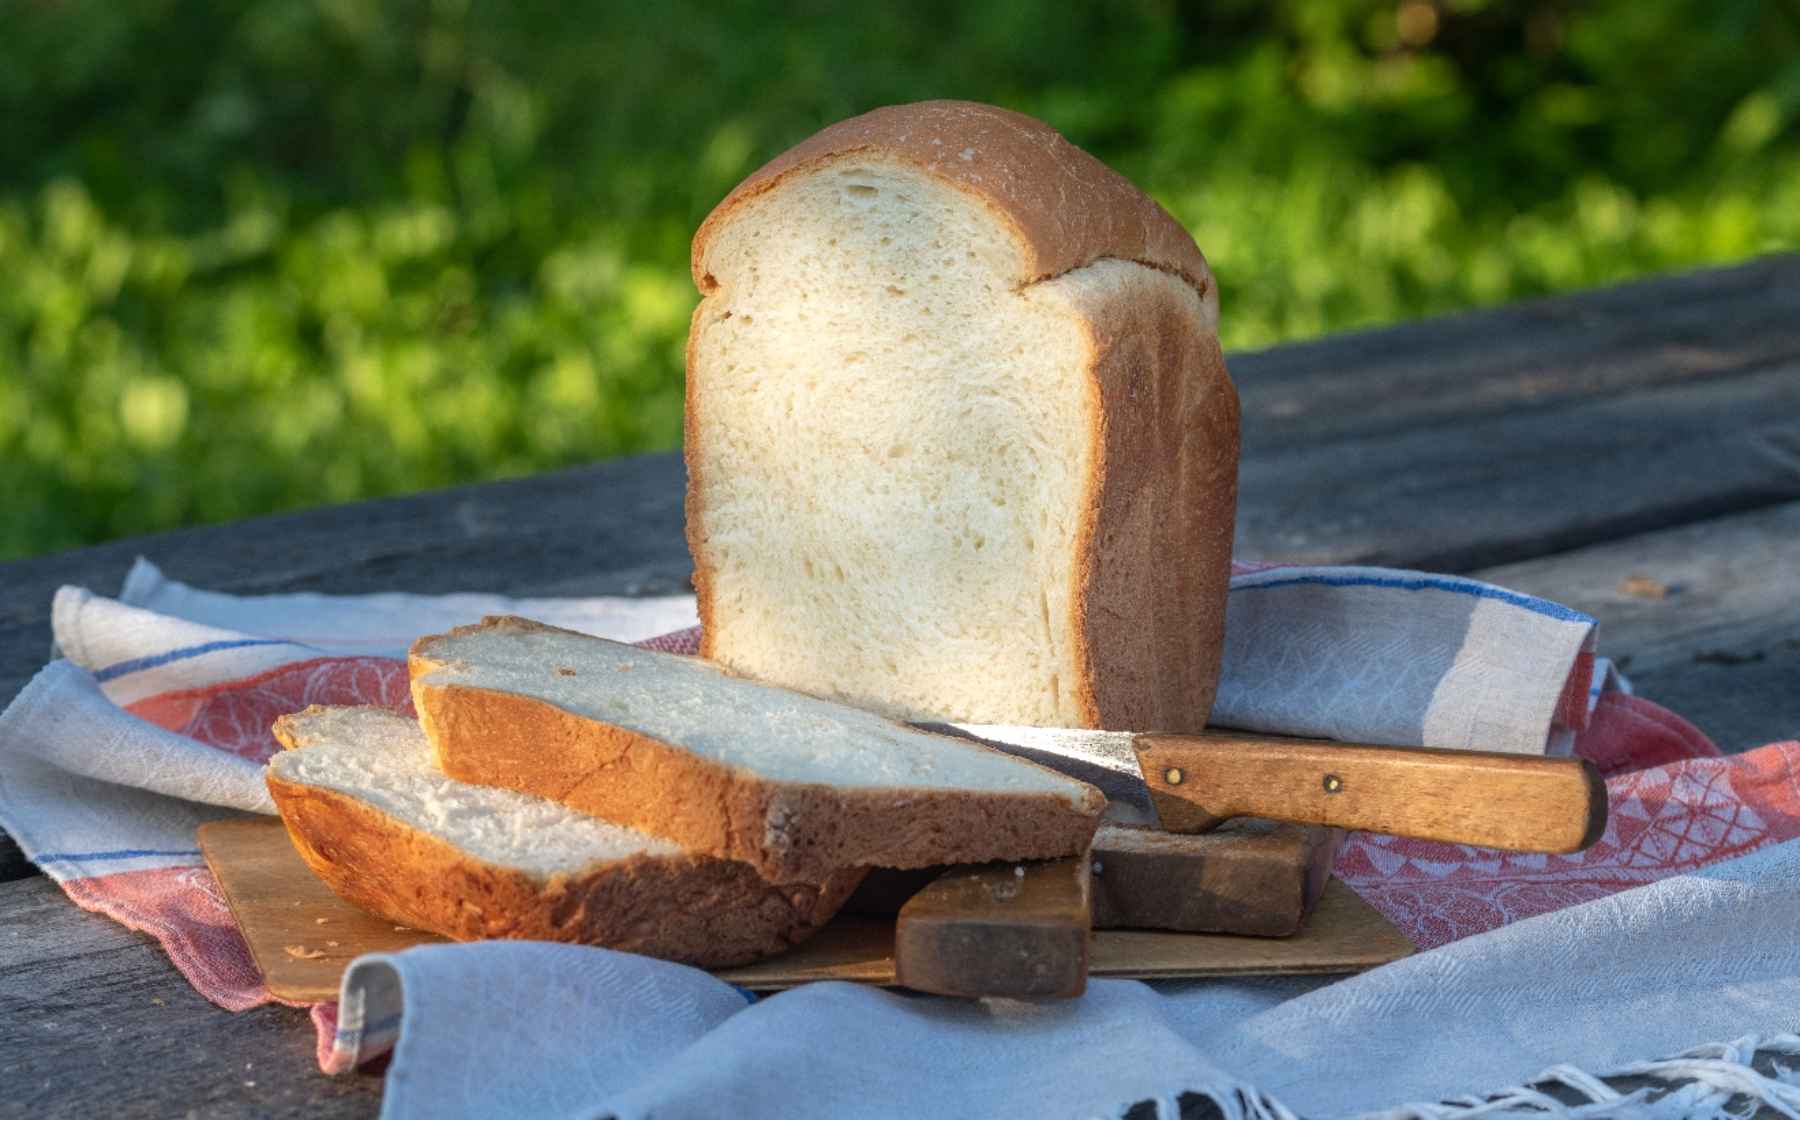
373	817
791	784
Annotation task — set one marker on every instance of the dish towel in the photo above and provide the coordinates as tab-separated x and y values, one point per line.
1666	949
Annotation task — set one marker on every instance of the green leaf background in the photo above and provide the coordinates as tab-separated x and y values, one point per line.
264	254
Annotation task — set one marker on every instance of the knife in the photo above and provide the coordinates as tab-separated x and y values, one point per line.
1190	783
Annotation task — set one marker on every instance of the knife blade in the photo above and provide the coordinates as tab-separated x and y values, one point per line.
1190	783
1107	760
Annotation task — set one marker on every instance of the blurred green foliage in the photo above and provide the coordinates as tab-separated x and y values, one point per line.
257	254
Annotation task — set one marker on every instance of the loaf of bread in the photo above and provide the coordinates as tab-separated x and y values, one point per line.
960	439
796	786
374	818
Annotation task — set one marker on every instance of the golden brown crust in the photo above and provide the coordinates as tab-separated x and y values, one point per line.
1067	208
692	507
1154	544
688	908
788	831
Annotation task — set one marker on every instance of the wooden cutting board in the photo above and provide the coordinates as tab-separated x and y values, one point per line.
303	936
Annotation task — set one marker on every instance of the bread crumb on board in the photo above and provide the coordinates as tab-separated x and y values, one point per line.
302	953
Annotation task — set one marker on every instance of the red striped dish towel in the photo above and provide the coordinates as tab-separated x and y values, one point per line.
155	718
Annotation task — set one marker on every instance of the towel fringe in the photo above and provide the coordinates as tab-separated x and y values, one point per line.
1755	1076
1230	1103
1744	1078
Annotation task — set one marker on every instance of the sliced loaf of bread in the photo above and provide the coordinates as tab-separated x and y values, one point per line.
959	435
792	784
377	821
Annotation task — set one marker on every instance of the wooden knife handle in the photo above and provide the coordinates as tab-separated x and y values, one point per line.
1006	930
1523	802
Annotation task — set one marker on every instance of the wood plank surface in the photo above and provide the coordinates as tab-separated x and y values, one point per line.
97	1023
1564	421
1704	618
1488	490
1690	328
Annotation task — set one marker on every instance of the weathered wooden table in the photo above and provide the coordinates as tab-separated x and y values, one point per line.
1559	447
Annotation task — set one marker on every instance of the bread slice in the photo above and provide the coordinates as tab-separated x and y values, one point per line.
386	830
960	439
792	784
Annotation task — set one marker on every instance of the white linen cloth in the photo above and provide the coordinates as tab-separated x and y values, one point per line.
533	1030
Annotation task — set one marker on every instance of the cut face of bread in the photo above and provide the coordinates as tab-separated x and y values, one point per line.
894	447
795	785
373	816
383	759
928	481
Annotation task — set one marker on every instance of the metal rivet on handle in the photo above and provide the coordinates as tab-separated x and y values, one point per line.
1172	776
1333	784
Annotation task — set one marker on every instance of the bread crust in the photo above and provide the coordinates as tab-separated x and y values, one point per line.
693	509
1156	522
1067	208
789	832
687	907
1154	541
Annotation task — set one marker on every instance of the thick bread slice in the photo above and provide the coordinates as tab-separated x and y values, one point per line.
792	784
960	439
374	818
